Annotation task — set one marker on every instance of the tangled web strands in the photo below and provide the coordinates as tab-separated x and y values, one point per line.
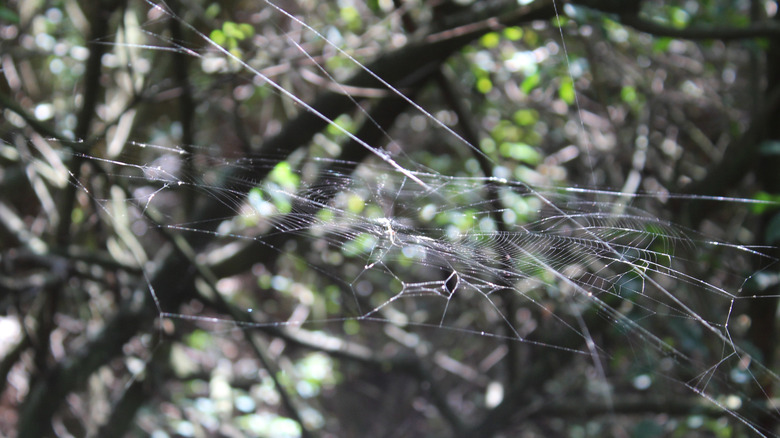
562	253
563	244
349	232
431	246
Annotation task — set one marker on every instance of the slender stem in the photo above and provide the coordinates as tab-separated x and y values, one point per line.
101	17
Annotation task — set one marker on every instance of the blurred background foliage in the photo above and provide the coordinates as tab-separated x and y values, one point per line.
99	97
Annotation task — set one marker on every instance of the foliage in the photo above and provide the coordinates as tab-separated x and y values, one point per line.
188	250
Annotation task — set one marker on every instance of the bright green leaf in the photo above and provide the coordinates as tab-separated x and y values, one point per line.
661	44
513	33
484	85
526	117
355	204
325	215
246	29
344	121
560	21
520	152
530	83
233	30
490	40
283	175
769	202
679	17
218	37
566	91
351	16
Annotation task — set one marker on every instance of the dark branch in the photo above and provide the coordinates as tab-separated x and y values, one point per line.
721	33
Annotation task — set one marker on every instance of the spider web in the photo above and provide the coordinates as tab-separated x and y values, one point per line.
388	248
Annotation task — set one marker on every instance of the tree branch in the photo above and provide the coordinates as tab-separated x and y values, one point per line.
768	30
628	12
99	23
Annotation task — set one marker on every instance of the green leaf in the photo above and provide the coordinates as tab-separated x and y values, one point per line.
8	15
355	204
351	327
351	16
661	44
218	37
284	176
566	91
212	10
77	215
490	40
530	83
233	30
362	244
526	117
199	339
484	85
520	152
246	29
680	17
513	33
487	145
325	215
560	21
628	94
344	122
531	38
769	202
